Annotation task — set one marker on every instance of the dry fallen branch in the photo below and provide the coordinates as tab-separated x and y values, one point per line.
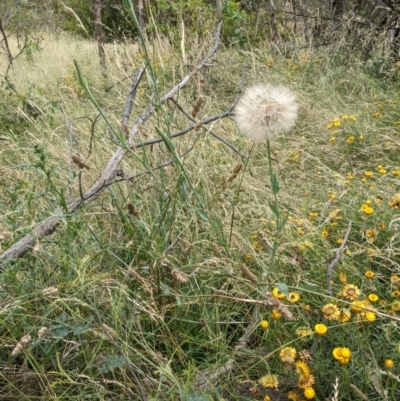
49	225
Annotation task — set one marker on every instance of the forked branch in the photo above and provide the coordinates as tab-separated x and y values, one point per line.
107	177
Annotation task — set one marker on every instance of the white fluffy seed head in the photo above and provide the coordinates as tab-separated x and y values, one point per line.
266	111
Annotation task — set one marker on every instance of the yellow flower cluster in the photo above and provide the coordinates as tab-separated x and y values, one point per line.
337	122
366	207
293	296
342	355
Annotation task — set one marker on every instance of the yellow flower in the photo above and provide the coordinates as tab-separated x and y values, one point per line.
369	210
264	324
302	369
309	393
294	297
303	331
345	315
359	306
373	297
342	277
293	396
269	381
394	279
275	314
329	126
342	355
368	173
332	139
389	363
277	293
325	233
306	382
351	292
267	398
369	274
396	294
382	171
305	378
370	317
346	353
288	355
331	311
370	233
320	329
350	139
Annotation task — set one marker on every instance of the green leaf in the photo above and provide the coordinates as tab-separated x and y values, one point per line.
282	223
283	288
275	184
273	208
203	216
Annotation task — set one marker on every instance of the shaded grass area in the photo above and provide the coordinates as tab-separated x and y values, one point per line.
154	300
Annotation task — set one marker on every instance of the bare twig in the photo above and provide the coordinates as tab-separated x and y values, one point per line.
184	131
131	97
335	261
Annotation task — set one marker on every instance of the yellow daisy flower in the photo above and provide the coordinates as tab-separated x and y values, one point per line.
264	324
342	355
359	306
309	393
306	382
373	297
302	369
288	355
277	293
320	329
294	297
293	396
370	317
369	274
389	363
351	292
303	331
345	315
269	381
331	311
